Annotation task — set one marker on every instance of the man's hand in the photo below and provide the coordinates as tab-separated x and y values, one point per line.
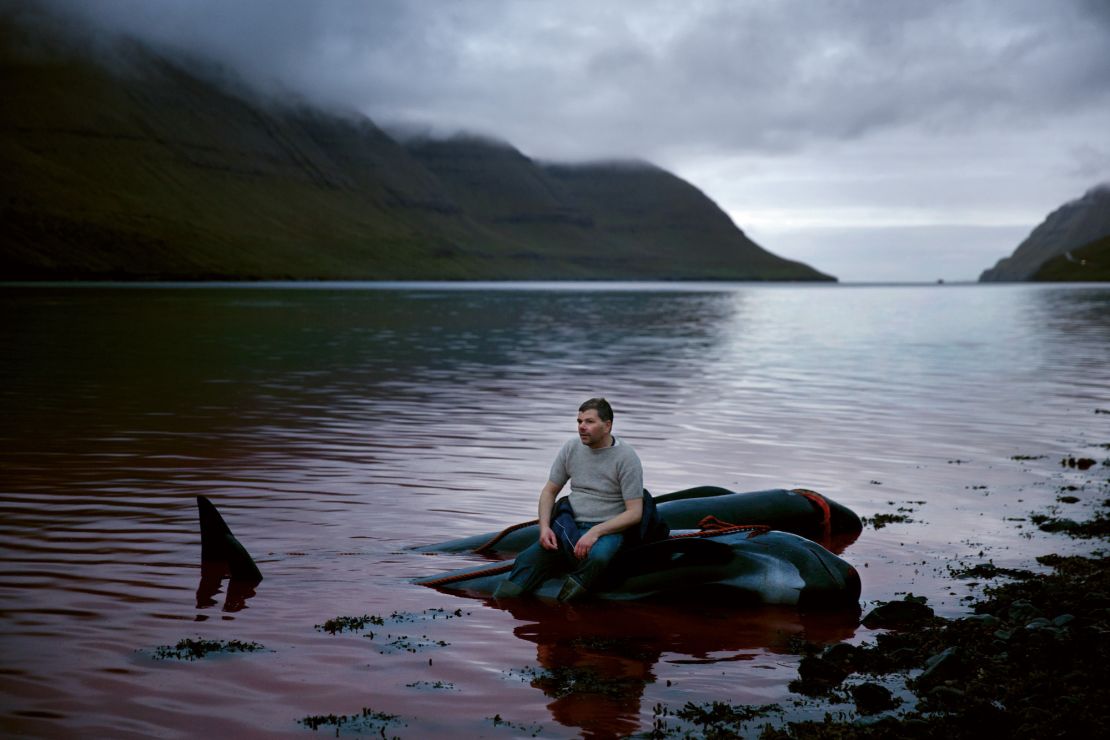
585	542
547	539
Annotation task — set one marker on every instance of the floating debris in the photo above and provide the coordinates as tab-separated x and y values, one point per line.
437	685
190	649
368	721
881	520
354	624
406	644
350	624
533	729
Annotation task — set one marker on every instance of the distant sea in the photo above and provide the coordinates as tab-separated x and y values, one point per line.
336	425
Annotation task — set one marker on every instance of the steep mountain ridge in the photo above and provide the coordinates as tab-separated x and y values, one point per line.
143	169
1072	226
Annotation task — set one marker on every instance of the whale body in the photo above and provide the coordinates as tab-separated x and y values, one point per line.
744	567
798	511
765	547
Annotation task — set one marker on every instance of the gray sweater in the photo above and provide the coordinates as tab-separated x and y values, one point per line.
600	480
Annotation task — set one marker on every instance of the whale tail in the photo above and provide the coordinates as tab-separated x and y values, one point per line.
218	545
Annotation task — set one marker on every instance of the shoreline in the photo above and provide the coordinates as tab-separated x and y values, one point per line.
1031	661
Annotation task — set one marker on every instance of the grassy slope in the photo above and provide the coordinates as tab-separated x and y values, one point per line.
1088	264
148	171
676	226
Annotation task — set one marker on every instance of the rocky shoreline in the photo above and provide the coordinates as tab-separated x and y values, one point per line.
1031	661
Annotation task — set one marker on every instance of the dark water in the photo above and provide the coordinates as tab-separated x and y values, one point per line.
336	426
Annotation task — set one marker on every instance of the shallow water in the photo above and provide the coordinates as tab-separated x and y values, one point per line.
337	425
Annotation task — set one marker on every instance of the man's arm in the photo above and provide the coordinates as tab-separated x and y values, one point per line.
633	512
547	503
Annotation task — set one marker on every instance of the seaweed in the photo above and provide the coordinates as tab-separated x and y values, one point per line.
190	649
368	721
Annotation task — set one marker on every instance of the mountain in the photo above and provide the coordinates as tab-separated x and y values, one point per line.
1086	264
1070	227
129	164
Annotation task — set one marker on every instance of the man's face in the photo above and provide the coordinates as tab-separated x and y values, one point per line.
591	429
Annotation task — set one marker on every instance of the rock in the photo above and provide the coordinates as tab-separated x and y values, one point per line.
818	675
1063	620
1039	623
871	698
895	614
987	620
946	665
841	654
1022	611
946	696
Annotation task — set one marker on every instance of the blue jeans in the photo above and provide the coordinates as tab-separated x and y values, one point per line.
536	563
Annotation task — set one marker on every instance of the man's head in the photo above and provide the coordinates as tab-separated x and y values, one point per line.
595	423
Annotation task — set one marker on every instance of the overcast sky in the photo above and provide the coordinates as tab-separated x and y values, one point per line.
875	140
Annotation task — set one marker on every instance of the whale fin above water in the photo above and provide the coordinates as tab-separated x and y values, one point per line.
218	544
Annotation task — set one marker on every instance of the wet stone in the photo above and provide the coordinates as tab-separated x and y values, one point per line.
947	665
946	696
897	614
817	675
988	620
871	698
841	654
1022	611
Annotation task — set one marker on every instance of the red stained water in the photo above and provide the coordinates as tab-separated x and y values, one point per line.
337	427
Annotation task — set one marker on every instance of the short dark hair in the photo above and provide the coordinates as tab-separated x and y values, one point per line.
601	406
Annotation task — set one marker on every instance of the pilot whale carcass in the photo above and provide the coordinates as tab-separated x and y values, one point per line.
748	565
799	511
759	548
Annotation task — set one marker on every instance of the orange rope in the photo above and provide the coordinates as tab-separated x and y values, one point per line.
502	534
823	506
711	526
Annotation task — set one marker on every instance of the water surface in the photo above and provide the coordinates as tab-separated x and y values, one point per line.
338	425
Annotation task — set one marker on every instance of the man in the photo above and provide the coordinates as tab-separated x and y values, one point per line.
606	498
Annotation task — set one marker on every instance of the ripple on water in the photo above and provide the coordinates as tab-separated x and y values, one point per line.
336	427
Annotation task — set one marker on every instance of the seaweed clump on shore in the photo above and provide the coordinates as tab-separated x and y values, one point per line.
1032	662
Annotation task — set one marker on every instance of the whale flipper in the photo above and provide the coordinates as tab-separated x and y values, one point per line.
218	544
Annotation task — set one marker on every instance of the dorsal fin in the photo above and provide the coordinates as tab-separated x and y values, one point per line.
218	544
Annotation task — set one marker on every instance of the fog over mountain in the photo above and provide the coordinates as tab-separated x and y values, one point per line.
885	140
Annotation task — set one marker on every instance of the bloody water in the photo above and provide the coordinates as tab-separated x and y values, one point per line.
336	426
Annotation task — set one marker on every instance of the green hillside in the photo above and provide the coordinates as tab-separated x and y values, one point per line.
141	169
1086	264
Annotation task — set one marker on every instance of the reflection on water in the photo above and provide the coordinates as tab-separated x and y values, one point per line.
594	661
335	426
